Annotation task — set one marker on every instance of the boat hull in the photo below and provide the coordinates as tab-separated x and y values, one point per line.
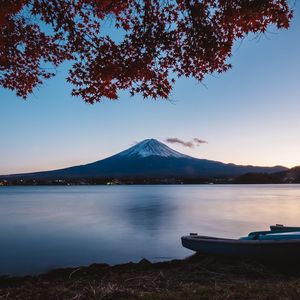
264	249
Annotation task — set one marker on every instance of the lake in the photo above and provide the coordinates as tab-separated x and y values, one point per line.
46	227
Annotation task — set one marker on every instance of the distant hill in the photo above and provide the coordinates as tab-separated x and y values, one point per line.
148	159
287	176
291	175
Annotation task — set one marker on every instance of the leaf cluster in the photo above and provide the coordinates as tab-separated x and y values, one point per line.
161	41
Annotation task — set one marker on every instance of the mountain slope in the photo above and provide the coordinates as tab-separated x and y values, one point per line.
148	159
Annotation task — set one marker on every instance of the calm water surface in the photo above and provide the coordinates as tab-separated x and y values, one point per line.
48	227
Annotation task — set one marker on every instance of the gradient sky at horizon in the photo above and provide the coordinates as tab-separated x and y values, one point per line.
249	115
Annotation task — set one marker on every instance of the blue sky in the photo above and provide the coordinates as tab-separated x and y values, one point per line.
249	115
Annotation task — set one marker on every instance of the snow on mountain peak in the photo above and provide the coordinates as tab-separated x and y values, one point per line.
151	147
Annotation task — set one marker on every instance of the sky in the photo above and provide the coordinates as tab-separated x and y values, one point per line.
249	115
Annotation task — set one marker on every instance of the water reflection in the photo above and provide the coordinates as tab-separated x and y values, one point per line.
47	227
147	213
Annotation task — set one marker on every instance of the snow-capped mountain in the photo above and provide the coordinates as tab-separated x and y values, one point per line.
150	147
147	159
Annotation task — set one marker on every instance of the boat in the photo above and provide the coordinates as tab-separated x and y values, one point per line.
280	227
260	245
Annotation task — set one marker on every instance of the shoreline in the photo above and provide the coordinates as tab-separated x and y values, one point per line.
196	277
153	184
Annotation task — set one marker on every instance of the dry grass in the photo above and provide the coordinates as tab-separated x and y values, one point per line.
199	277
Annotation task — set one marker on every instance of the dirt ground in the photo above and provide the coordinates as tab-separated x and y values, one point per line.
197	277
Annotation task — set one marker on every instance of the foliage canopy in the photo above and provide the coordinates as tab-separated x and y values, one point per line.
160	41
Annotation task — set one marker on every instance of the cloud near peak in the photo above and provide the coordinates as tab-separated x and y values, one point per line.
199	142
195	142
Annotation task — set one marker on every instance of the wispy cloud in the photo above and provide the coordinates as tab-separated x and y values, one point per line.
195	142
179	141
198	142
